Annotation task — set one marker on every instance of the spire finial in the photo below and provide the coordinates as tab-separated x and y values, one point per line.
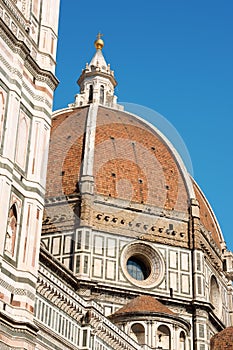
99	43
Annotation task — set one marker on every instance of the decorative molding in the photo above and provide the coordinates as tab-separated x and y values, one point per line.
85	313
17	291
16	12
25	52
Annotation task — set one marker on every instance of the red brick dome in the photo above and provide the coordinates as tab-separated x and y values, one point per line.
131	160
222	340
126	158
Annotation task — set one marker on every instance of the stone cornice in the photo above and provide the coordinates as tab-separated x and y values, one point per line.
209	250
208	308
18	326
16	13
52	263
94	74
67	299
18	46
149	315
41	74
210	240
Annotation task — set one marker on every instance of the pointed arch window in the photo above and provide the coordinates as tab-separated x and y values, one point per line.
22	140
102	94
90	99
2	110
11	230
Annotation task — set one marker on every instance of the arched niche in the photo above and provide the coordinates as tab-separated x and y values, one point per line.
22	140
215	297
138	333
182	340
163	337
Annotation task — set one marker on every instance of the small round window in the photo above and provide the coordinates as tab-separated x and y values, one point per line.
138	268
142	265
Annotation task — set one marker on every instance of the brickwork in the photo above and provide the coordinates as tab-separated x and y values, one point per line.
65	153
222	340
144	303
132	162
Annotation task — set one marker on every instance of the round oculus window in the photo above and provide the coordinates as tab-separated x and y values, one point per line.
142	264
138	267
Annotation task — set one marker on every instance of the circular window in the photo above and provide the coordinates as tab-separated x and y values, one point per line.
138	267
142	264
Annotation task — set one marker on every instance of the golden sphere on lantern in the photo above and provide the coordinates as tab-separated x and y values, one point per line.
99	43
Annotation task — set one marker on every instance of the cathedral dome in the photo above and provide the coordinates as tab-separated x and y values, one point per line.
124	157
123	161
124	215
130	159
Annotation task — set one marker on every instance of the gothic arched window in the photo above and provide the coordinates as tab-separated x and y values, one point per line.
11	230
102	94
22	140
90	99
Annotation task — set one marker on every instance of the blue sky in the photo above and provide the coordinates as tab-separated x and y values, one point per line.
174	57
